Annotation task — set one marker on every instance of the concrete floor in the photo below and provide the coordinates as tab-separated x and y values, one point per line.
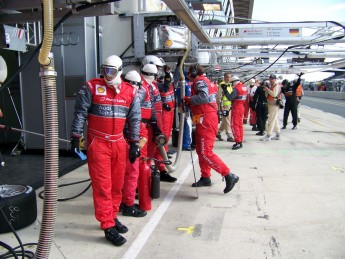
289	203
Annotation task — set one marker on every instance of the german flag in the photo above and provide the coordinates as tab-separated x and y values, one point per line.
294	32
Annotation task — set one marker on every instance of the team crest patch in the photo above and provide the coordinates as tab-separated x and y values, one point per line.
101	90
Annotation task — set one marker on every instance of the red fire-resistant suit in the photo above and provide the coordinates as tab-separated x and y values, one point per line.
238	97
248	109
157	105
106	112
168	107
204	109
138	171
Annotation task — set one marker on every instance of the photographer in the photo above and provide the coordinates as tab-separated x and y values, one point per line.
272	93
289	92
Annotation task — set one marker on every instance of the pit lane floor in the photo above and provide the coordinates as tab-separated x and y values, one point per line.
289	203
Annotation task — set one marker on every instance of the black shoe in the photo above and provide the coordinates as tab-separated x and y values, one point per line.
121	207
294	127
202	182
254	128
219	137
260	133
169	156
230	139
166	177
230	181
133	211
188	149
237	146
284	127
299	120
114	237
120	227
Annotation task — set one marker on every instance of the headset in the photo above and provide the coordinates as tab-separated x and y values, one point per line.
194	70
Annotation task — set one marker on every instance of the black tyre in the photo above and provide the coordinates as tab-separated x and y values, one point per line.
18	203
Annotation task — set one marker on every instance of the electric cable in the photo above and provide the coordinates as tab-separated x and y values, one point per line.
295	46
68	184
12	251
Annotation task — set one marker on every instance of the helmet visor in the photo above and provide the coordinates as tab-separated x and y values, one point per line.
109	72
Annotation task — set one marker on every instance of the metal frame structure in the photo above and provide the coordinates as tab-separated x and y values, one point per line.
218	35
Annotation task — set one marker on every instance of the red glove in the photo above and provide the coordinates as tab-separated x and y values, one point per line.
187	100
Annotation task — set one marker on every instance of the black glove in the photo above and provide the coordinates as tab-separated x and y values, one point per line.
75	144
156	130
134	151
166	107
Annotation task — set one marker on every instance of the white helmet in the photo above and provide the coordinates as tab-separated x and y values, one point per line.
252	81
111	70
234	79
149	72
150	59
134	78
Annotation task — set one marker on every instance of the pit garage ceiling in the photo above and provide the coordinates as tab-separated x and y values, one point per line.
243	10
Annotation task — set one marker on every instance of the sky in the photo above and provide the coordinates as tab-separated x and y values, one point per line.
298	11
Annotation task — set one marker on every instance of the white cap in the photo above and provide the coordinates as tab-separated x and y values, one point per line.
252	81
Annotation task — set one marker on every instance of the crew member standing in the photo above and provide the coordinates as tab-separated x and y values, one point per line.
205	116
238	97
157	123
167	93
107	104
225	107
248	104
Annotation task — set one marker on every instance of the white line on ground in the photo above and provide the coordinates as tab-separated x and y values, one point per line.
145	233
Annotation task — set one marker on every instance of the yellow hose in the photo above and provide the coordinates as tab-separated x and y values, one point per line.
48	32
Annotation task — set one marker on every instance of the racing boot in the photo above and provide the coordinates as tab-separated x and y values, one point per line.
133	211
166	177
230	181
120	227
202	182
114	237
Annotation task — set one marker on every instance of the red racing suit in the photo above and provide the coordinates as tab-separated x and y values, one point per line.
205	115
138	171
157	105
238	96
248	109
107	112
168	106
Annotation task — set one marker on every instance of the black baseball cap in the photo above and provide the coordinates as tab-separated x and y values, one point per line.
273	76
